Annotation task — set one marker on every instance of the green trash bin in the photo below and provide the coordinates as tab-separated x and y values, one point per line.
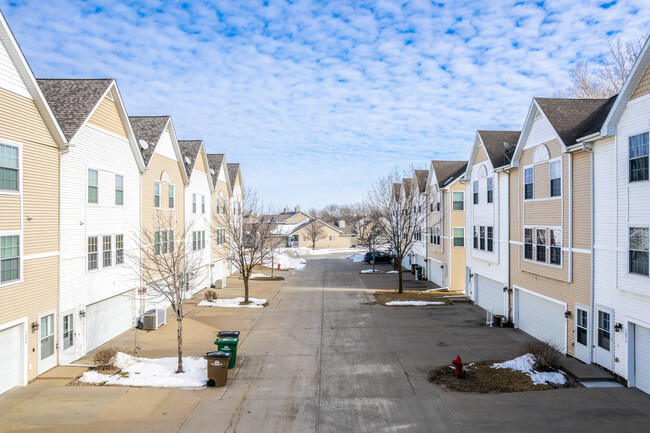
228	344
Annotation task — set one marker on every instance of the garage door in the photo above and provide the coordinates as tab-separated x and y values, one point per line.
642	358
201	280
541	318
107	319
435	272
11	358
489	295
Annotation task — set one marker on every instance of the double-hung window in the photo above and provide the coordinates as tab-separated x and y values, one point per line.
223	206
171	241
203	239
93	186
156	194
193	203
156	243
93	261
194	236
458	200
490	190
171	196
8	167
119	189
459	236
119	249
107	251
476	236
438	202
540	245
482	238
9	258
528	244
556	178
68	328
475	191
163	241
489	238
528	183
639	243
556	246
202	204
639	157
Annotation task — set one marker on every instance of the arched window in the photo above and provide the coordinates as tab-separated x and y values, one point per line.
482	171
164	177
541	154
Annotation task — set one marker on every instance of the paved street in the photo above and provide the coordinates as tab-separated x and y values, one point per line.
323	357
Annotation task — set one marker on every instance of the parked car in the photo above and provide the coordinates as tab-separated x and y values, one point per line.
379	257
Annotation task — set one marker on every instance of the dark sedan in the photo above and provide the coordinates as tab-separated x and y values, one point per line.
378	258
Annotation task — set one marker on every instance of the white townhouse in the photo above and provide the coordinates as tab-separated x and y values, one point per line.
237	198
418	254
487	220
198	213
219	204
100	214
621	246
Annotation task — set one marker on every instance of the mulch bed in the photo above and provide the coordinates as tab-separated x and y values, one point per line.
383	296
274	278
482	378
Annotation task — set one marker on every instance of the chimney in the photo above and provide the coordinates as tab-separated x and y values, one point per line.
340	224
297	208
286	209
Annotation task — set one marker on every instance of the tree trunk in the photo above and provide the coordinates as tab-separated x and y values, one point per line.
372	251
272	265
179	335
401	283
246	289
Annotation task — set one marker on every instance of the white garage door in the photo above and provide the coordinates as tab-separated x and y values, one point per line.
490	295
201	279
107	319
642	358
11	358
541	318
435	272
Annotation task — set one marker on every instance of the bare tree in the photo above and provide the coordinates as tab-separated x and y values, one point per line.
397	204
315	232
605	77
250	236
167	271
369	232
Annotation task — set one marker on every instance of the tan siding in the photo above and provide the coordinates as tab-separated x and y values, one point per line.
338	242
200	165
481	156
543	213
107	117
10	205
582	200
20	120
643	88
542	183
457	254
295	219
218	251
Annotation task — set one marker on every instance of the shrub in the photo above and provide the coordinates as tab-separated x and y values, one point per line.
546	354
105	359
210	295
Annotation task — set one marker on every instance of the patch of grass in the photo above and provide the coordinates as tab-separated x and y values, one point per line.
482	378
274	278
383	296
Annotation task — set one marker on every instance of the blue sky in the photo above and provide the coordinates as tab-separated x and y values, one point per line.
317	99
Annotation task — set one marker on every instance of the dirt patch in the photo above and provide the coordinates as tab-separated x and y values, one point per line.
275	278
109	371
266	304
383	296
482	378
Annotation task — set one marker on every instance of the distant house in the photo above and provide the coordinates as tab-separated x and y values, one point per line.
296	229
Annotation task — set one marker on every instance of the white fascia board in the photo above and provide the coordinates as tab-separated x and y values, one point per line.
124	117
177	151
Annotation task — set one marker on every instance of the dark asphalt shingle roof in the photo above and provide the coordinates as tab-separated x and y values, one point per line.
493	142
233	169
421	177
72	100
397	187
407	186
575	118
189	149
446	171
215	161
149	129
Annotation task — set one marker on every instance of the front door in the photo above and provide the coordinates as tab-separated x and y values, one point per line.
47	342
581	343
604	343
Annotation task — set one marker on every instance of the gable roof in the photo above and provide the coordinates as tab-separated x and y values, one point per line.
493	144
190	149
447	171
406	184
575	118
311	221
420	177
73	100
27	75
216	163
233	170
397	187
149	129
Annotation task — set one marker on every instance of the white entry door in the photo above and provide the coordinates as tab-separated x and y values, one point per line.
604	343
47	342
582	335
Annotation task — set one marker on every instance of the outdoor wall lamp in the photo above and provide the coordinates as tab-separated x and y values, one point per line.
567	313
82	313
618	327
35	326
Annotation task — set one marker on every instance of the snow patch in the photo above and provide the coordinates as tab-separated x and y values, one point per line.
356	257
370	271
253	276
155	373
415	303
392	272
525	363
233	303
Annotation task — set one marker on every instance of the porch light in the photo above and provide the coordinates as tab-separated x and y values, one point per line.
618	327
567	313
35	326
82	313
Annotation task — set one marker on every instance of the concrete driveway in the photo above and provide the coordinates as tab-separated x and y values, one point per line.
323	357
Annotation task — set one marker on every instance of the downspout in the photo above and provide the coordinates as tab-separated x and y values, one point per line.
570	188
593	240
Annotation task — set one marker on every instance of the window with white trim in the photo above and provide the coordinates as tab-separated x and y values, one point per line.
9	258
93	186
490	190
528	244
156	194
156	243
163	241
481	240
107	251
489	238
540	245
9	166
193	203
639	246
476	236
171	196
93	259
639	157
528	183
556	178
68	331
119	249
171	241
458	200
203	239
555	246
438	201
202	204
475	191
459	236
119	190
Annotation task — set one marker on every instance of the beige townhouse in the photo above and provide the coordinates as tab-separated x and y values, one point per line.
220	202
30	142
446	224
551	224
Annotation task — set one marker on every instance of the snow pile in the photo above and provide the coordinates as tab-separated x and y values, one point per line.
525	363
253	276
415	303
156	373
392	272
370	271
287	259
305	251
233	303
356	257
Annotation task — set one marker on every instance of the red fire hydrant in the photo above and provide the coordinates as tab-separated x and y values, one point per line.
278	266
460	370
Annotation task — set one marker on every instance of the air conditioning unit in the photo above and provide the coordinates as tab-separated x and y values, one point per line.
153	319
